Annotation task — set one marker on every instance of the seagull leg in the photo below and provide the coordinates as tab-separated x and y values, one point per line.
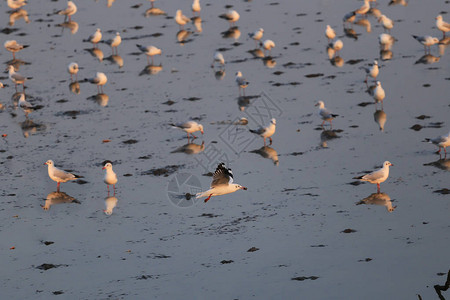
331	125
270	141
114	187
264	141
57	186
206	200
193	135
378	188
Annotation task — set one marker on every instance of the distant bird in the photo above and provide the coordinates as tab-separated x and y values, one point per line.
330	33
386	41
189	127
442	141
218	57
442	25
364	9
181	19
349	17
69	11
268	45
257	35
16	4
387	23
378	93
266	132
59	175
100	80
378	176
325	114
73	68
13	47
16	77
337	46
24	104
372	71
241	82
115	42
110	177
221	184
95	37
231	16
150	51
196	8
426	41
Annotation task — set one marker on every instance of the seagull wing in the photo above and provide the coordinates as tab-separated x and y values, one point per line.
222	176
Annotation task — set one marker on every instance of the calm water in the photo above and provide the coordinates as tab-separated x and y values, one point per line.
301	214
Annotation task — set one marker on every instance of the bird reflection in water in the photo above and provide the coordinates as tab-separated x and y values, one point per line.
182	37
58	198
71	25
382	199
151	69
190	148
154	11
328	135
269	153
197	21
257	53
101	99
18	14
364	23
269	62
350	33
232	33
428	59
441	163
97	53
74	87
115	59
243	102
380	118
29	127
110	204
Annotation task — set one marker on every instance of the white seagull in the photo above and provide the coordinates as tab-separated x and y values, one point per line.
378	176
24	104
13	47
150	51
266	132
69	11
115	42
16	4
189	127
16	77
336	46
100	79
73	68
231	16
110	176
442	25
386	41
372	71
181	19
95	37
364	9
58	175
378	93
442	141
325	114
387	23
196	8
241	82
218	57
257	35
221	184
330	33
268	45
426	41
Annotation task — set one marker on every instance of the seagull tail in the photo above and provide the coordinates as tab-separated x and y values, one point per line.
200	195
358	177
334	115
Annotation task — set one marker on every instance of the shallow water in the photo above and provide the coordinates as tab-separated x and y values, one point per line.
302	214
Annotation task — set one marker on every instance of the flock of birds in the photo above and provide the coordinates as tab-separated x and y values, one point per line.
222	182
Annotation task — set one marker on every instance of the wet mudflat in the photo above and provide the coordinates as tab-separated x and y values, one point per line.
303	228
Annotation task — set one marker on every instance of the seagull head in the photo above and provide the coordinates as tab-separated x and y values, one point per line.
49	162
107	166
238	74
439	17
375	62
240	187
320	104
273	121
387	164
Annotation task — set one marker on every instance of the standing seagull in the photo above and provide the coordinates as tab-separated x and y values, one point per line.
73	68
378	176
257	35
378	93
25	105
95	37
241	82
442	25
364	9
268	45
69	11
231	16
325	114
330	33
196	8
16	4
13	47
221	184
189	127
100	79
110	176
387	23
442	141
372	71
150	51
16	77
115	42
337	46
218	57
181	19
266	132
58	175
427	41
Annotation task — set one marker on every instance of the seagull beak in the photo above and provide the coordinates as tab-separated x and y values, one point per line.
392	165
45	164
244	188
202	131
103	168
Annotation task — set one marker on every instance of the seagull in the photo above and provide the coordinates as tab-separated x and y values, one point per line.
241	82
16	4
110	176
257	35
231	16
325	114
336	46
58	175
150	51
386	41
181	19
69	11
268	45
378	93
95	37
218	57
364	9
16	77
13	47
221	184
100	79
378	176
196	8
442	141
372	71
426	41
115	42
349	17
387	23
24	104
189	127
73	68
330	33
442	25
266	132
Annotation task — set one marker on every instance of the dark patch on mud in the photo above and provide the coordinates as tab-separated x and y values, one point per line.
165	171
